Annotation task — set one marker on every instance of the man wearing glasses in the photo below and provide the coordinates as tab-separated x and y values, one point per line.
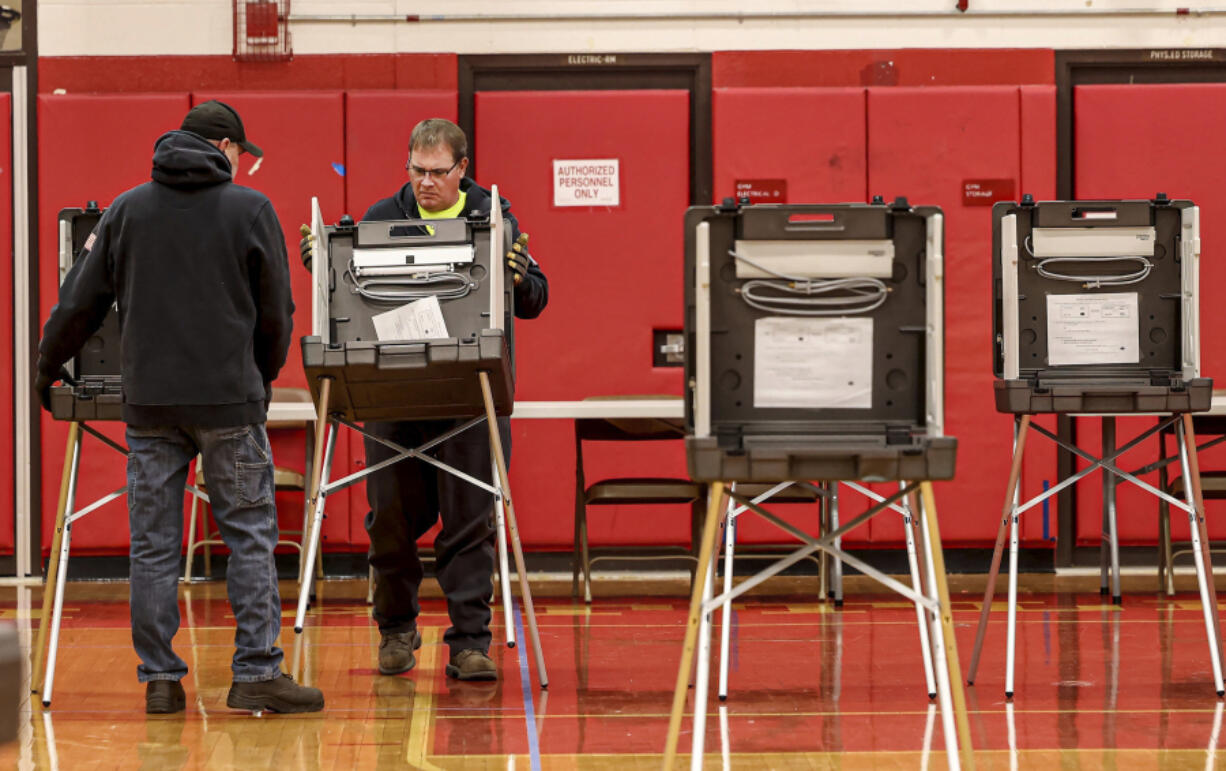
408	497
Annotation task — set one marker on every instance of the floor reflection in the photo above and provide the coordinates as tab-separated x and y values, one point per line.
1098	687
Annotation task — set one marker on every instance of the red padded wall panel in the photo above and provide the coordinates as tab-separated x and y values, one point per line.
615	275
1038	104
6	328
377	128
815	142
302	136
926	67
1038	154
923	142
1136	158
90	148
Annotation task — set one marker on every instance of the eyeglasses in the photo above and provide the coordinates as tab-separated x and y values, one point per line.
419	173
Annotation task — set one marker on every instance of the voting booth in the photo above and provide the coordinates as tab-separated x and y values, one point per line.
1096	315
413	312
95	391
412	320
814	356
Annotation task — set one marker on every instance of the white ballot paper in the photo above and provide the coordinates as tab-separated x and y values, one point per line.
419	320
1093	329
800	362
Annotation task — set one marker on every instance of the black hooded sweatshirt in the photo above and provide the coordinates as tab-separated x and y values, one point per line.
198	269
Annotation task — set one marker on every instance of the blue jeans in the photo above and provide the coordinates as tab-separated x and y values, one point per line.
238	469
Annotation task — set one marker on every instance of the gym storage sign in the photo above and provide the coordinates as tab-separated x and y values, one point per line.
595	182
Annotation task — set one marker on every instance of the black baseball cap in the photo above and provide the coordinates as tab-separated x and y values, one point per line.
218	120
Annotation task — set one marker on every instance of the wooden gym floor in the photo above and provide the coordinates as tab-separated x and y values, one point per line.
811	687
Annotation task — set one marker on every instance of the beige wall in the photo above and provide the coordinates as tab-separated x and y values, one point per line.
122	27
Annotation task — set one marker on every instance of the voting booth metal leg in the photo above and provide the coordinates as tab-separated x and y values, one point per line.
716	503
500	463
1110	545
1200	544
725	618
836	567
918	585
944	645
325	437
504	570
1011	632
1020	429
907	506
1014	543
67	482
317	518
702	673
60	573
731	513
1203	530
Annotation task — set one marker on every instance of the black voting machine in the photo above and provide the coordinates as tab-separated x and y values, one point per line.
885	437
96	392
413	379
1084	249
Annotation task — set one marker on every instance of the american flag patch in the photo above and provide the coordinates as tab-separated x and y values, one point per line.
89	242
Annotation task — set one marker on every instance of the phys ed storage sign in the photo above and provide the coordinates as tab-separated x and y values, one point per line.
587	182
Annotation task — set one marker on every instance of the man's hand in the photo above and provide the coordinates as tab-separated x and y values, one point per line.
306	247
42	386
518	259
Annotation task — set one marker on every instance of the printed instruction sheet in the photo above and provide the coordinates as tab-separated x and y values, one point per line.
815	363
1093	329
419	320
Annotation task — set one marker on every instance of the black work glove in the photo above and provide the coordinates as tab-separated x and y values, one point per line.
306	247
267	396
42	386
517	258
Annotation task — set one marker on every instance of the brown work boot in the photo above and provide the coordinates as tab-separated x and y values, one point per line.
281	694
164	697
471	664
396	652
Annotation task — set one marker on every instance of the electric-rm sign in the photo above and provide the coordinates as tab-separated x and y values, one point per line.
595	182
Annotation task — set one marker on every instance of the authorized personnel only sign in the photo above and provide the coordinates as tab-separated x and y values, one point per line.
587	183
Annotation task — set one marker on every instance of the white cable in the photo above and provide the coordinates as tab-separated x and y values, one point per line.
445	285
1092	281
801	296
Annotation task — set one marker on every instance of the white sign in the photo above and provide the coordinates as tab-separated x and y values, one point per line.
1092	329
587	183
419	320
815	363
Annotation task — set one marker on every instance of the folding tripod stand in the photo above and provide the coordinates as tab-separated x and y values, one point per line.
57	569
501	490
829	495
933	596
1193	504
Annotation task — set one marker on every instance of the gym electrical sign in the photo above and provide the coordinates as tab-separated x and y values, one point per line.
587	182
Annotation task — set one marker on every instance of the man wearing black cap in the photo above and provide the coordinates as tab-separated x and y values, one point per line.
197	267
